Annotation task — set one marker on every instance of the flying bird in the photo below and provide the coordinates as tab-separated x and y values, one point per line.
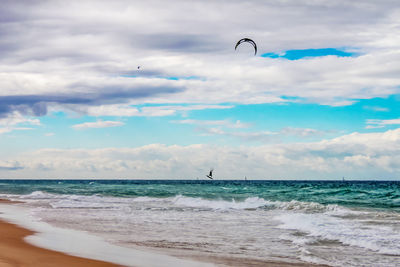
247	40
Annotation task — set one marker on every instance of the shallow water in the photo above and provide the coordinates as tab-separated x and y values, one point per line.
335	223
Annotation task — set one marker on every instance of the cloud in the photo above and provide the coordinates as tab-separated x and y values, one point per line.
14	121
357	155
261	136
54	55
97	124
16	118
301	132
126	110
225	123
375	108
10	166
376	123
264	136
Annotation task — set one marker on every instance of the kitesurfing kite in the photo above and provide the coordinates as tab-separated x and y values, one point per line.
247	40
209	176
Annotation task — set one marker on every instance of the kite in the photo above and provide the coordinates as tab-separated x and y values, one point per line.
247	40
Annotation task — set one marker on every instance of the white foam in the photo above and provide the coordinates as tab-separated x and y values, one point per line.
381	239
256	202
248	203
42	195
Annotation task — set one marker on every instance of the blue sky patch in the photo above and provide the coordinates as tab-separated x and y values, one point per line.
307	53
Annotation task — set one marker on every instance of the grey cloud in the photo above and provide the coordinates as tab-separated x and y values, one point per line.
182	42
38	104
10	166
3	168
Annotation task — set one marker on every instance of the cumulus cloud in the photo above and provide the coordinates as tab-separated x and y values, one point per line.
97	124
357	155
86	53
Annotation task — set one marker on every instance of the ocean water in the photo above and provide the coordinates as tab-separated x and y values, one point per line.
338	223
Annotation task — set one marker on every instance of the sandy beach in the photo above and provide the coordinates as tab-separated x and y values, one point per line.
14	251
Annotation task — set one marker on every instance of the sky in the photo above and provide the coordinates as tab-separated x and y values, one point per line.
155	89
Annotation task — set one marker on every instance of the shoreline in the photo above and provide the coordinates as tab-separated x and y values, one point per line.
42	245
44	241
15	251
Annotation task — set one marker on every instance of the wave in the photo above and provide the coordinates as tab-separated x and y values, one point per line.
250	203
379	238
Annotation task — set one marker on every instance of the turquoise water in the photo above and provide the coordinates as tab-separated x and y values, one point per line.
363	194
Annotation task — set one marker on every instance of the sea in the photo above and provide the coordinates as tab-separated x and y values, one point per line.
334	223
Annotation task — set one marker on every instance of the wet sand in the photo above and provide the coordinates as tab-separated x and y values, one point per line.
14	251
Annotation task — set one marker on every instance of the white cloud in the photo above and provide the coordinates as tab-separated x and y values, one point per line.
10	165
16	118
362	156
124	110
263	136
225	123
301	132
375	108
376	123
13	121
97	124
